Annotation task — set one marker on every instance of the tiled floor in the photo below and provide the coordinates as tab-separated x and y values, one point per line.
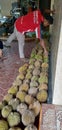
10	64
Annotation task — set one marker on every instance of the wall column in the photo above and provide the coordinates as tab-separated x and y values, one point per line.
57	94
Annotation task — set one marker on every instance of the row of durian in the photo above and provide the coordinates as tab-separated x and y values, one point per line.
21	106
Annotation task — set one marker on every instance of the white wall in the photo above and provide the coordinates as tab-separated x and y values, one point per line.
6	6
55	50
57	95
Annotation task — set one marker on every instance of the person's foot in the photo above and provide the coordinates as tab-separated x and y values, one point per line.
5	44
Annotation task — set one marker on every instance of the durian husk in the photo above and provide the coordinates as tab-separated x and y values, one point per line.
2	104
35	106
29	99
13	90
43	86
21	76
30	127
21	95
17	82
6	111
3	125
13	119
33	84
36	71
37	64
33	91
24	87
31	61
45	59
23	68
28	117
42	96
26	81
31	67
28	75
39	58
45	65
14	102
8	97
34	78
22	107
15	128
43	79
40	52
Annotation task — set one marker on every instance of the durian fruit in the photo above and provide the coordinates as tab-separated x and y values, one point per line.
21	95
24	87
36	71
40	52
34	78
45	67
21	108
30	127
43	74
8	97
29	70
33	84
13	119
33	91
2	104
14	102
23	68
35	106
31	67
43	79
29	99
37	63
39	57
45	58
33	54
43	86
31	61
28	117
3	125
6	111
42	96
17	82
13	90
21	76
28	75
15	128
26	81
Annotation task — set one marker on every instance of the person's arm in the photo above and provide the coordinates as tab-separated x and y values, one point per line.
42	43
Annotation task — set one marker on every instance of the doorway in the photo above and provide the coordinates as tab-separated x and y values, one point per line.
44	4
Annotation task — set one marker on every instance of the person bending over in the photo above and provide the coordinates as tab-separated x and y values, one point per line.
29	23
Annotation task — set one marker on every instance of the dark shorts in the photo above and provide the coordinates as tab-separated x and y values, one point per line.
1	44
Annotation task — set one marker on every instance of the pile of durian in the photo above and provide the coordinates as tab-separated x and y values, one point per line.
20	108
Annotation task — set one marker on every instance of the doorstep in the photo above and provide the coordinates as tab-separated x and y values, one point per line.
50	117
26	39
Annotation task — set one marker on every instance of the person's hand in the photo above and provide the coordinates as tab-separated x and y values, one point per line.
46	52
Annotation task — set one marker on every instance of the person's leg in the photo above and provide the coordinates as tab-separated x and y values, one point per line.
11	37
21	43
